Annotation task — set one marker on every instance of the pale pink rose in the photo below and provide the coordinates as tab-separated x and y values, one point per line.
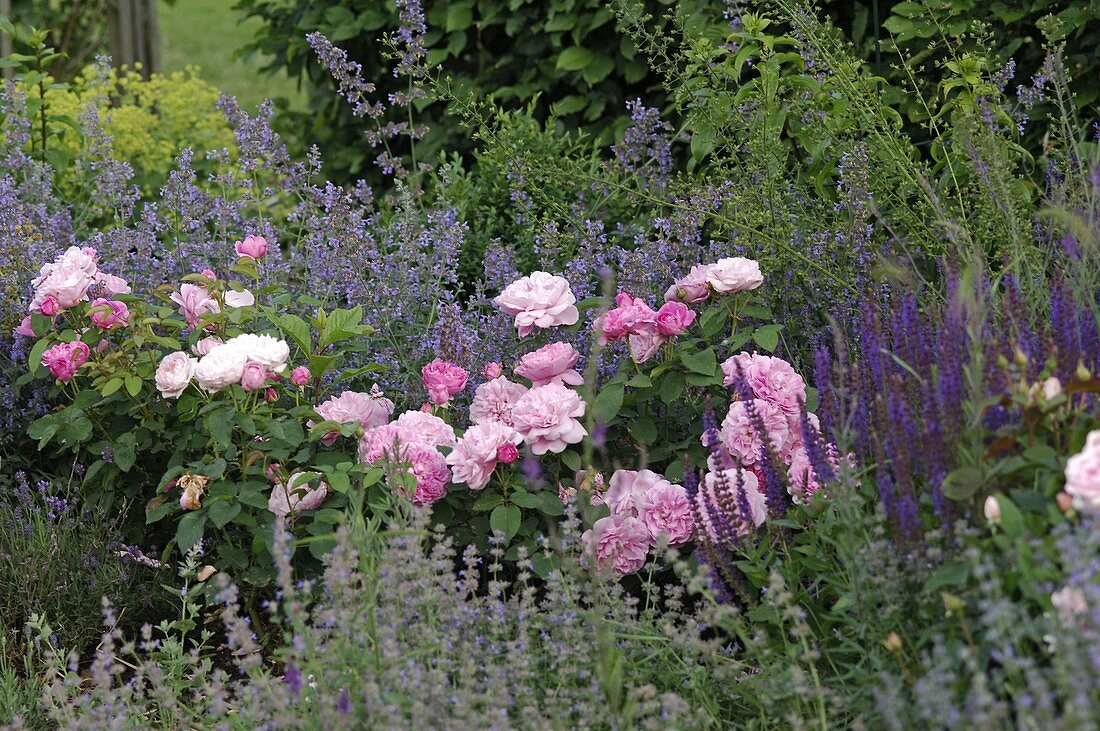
428	427
494	400
174	374
666	510
742	439
475	457
547	418
802	481
63	287
771	379
394	444
731	505
1070	602
111	314
735	274
628	485
673	318
645	342
617	542
507	453
244	298
442	380
204	346
1052	388
24	328
65	359
795	439
253	377
220	368
551	363
253	247
194	302
383	440
296	495
300	376
692	287
86	260
539	300
111	285
1083	476
492	370
352	407
272	353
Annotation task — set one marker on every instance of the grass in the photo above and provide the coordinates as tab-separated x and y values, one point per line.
209	34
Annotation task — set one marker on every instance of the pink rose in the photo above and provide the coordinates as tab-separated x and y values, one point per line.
539	300
296	495
48	306
174	374
24	328
673	318
1083	476
547	418
394	444
735	274
728	509
351	407
492	370
771	379
628	485
300	376
507	453
204	346
194	302
109	314
442	380
65	359
494	401
610	326
742	439
666	510
693	287
475	457
617	542
111	285
252	247
428	428
253	377
63	287
551	364
383	440
645	342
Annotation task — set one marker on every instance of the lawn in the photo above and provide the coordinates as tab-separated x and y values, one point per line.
210	34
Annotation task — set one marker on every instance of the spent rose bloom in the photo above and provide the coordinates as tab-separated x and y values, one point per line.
174	374
645	342
547	418
492	370
194	487
692	287
221	367
540	300
494	400
617	542
64	359
194	302
475	457
666	510
253	247
300	376
353	407
1083	476
628	485
428	427
109	314
673	318
253	377
443	380
296	494
735	274
551	363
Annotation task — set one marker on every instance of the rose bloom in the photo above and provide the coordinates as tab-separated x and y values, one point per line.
540	300
221	367
494	401
507	453
253	377
174	374
194	302
25	328
742	439
269	352
63	287
423	461
547	418
628	485
295	495
1083	476
65	359
802	483
617	542
353	407
205	345
428	427
666	510
735	274
551	363
1070	601
300	376
110	314
442	380
645	342
772	379
692	287
384	439
244	298
111	285
252	247
492	370
194	487
673	318
721	489
475	457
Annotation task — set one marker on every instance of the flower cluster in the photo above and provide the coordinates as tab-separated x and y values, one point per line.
69	279
249	360
725	276
645	508
644	329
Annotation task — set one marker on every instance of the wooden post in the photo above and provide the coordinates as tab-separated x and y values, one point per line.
132	33
5	41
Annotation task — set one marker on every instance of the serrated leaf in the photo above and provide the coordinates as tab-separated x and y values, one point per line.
704	362
295	328
644	429
767	337
525	499
487	501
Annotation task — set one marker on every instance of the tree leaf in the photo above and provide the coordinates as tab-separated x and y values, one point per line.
575	58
